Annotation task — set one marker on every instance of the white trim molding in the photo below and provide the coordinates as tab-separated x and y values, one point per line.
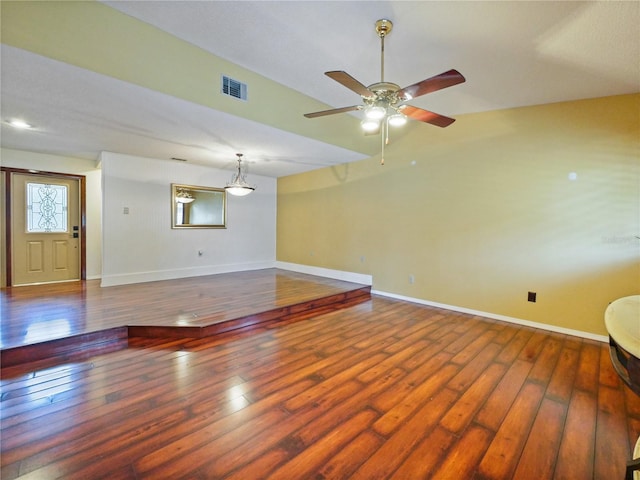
327	272
153	276
495	316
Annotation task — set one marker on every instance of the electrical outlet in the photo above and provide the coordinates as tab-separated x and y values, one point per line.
411	279
125	210
531	297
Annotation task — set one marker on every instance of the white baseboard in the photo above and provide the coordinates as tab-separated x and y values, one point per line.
495	316
154	276
327	272
140	277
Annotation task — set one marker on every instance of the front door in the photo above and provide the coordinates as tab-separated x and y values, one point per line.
45	233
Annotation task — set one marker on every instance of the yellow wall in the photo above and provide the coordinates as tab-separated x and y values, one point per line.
486	213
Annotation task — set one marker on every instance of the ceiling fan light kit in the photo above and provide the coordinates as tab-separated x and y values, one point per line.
383	101
370	125
375	112
397	119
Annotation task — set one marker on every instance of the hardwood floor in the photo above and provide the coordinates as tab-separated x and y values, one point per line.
37	313
383	389
66	320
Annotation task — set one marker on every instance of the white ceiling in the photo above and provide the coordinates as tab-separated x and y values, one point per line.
511	53
81	113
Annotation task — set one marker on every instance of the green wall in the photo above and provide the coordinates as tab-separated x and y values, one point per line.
484	211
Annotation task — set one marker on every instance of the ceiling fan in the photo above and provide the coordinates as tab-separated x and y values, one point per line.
383	102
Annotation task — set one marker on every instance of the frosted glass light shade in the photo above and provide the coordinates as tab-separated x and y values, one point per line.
239	190
239	186
397	120
375	112
369	125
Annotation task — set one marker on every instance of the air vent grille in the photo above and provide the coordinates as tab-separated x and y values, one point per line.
234	88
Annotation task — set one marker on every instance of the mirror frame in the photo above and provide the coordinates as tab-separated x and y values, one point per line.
197	189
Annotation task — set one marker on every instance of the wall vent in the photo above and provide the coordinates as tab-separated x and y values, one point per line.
234	88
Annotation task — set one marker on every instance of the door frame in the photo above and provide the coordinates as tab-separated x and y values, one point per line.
9	222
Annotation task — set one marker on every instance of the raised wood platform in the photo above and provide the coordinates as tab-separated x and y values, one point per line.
66	320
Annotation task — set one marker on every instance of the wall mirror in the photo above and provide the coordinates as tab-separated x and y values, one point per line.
198	207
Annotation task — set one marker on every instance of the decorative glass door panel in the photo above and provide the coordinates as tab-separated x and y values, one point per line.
47	208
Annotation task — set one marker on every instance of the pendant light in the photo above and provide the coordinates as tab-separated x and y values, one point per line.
239	186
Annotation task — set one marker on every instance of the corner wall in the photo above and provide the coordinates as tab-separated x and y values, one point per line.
543	199
141	245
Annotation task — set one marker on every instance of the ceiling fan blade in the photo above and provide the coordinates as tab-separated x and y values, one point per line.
351	83
426	116
332	111
444	80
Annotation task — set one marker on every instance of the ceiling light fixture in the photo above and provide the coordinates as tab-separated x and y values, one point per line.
19	124
369	125
397	119
239	186
375	112
383	103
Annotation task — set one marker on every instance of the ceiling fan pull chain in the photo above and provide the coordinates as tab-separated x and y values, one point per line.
386	130
382	135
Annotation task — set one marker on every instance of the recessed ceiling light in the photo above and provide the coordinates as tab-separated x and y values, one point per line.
19	124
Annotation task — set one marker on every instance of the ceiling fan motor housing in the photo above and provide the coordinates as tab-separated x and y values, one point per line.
384	88
383	27
384	92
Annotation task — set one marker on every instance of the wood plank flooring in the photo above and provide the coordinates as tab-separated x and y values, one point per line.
37	313
383	389
66	320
